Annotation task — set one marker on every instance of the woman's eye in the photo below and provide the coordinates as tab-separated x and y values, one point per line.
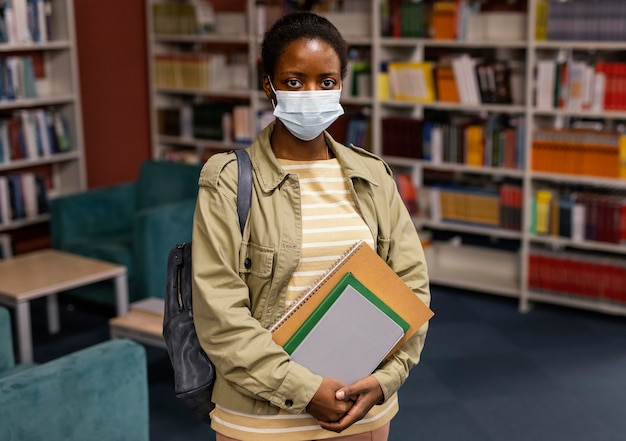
328	84
293	83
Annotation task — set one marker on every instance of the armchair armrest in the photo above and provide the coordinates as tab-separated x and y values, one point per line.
155	231
100	211
7	359
97	393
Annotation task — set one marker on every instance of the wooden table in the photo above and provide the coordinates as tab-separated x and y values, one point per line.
143	323
44	273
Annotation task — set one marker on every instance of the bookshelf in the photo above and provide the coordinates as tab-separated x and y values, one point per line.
40	112
493	250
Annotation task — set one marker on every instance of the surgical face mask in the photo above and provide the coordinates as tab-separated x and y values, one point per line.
307	113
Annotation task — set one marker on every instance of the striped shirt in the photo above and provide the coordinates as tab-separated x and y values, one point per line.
330	221
330	225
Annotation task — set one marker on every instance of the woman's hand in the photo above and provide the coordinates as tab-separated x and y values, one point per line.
362	395
324	405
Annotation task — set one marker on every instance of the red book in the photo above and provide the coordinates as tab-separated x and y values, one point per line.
622	222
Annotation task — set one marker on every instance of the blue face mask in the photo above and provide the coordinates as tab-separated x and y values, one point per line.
307	113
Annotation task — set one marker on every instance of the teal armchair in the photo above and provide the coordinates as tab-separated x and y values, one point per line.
96	393
132	224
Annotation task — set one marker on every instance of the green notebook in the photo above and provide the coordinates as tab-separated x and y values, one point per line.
349	333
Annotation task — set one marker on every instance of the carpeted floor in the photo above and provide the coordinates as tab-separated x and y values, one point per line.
488	373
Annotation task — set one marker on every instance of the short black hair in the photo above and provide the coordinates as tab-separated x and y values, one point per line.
298	25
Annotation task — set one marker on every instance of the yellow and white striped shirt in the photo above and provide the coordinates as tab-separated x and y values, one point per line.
330	221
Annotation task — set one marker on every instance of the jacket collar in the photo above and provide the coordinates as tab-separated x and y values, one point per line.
270	173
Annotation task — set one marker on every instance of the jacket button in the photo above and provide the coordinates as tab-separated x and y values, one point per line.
247	263
288	403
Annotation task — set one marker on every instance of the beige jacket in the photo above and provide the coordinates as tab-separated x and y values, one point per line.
239	286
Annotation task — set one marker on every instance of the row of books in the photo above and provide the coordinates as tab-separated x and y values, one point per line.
600	20
586	276
458	78
499	207
483	143
33	134
468	20
579	215
581	85
183	18
201	71
579	152
492	142
216	121
17	78
25	21
404	19
22	196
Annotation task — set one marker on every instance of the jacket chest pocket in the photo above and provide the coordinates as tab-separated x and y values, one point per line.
256	265
256	260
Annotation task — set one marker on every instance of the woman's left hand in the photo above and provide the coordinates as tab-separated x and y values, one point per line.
365	393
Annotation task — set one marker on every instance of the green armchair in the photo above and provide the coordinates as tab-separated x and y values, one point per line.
132	224
96	393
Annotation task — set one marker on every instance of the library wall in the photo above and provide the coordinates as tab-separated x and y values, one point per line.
114	86
114	89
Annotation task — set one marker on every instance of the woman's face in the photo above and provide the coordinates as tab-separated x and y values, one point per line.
306	65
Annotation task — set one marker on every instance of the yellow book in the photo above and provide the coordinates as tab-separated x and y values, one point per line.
542	214
474	145
541	20
411	81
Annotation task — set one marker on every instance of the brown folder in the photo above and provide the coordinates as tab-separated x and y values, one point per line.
373	272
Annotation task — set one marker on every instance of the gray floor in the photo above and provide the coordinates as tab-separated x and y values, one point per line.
488	373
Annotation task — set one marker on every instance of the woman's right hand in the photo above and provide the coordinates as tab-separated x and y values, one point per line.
324	406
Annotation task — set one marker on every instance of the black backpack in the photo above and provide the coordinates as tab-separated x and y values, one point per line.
194	373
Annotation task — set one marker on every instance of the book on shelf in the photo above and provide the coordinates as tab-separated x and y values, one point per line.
445	81
378	307
22	196
577	151
577	274
411	81
408	193
5	204
401	136
444	20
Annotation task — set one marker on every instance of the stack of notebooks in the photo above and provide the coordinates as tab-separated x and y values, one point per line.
355	317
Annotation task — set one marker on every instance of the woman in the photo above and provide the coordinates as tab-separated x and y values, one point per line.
312	199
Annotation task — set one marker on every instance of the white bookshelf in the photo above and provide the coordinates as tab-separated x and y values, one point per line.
59	90
487	269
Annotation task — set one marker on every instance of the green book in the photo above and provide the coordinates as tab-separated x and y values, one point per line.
349	333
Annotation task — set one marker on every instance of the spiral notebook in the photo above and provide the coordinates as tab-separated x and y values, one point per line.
349	333
372	273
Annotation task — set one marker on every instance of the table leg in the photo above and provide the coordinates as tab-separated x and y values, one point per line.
54	323
24	335
121	294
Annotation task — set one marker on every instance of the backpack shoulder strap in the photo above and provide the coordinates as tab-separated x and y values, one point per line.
244	187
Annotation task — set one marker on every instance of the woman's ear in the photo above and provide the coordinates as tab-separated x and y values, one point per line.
269	93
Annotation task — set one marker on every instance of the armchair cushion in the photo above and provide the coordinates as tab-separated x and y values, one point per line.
164	182
100	392
100	212
97	393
